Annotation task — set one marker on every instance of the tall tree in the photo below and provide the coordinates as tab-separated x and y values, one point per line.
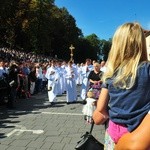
95	42
65	33
42	27
8	21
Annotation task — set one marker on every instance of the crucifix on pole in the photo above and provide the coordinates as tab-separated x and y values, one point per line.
71	54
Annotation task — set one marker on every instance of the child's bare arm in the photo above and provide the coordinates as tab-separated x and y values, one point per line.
100	115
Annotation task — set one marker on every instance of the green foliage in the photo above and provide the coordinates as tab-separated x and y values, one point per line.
42	27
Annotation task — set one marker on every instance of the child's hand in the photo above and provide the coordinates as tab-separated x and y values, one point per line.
99	118
94	103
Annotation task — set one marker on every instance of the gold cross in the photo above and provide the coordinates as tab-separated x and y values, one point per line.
71	54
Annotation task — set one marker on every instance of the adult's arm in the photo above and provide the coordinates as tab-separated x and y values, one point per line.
139	139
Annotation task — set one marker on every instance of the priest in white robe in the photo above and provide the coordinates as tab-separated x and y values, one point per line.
71	75
52	75
86	69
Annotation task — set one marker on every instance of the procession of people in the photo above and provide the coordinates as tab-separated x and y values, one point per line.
33	74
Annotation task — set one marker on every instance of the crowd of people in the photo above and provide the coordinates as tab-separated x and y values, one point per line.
117	95
29	74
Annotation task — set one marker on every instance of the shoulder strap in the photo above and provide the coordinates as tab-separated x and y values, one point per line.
92	125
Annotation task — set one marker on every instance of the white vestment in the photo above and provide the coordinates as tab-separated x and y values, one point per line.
71	75
52	75
85	83
60	86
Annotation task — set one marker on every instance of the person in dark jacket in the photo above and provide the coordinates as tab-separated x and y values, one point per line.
32	79
13	81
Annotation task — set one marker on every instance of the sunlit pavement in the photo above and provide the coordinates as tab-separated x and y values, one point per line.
36	125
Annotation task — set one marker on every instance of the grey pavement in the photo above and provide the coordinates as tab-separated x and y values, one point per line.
36	125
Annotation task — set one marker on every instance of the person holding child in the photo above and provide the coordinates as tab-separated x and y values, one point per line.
94	78
125	94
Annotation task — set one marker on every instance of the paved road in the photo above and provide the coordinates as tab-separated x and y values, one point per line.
35	125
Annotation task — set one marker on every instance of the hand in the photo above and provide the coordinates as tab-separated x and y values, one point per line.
87	69
49	88
52	72
95	82
99	118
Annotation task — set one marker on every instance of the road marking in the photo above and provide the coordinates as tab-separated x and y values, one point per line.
56	113
21	130
50	113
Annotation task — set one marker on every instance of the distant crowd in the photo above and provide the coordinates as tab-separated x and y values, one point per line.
12	54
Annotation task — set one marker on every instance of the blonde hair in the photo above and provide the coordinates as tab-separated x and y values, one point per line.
96	64
90	94
127	52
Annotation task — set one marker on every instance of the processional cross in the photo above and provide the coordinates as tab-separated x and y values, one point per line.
71	54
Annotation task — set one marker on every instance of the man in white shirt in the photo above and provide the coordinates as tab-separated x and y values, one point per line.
3	82
2	71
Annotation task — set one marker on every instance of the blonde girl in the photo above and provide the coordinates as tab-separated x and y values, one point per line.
125	95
